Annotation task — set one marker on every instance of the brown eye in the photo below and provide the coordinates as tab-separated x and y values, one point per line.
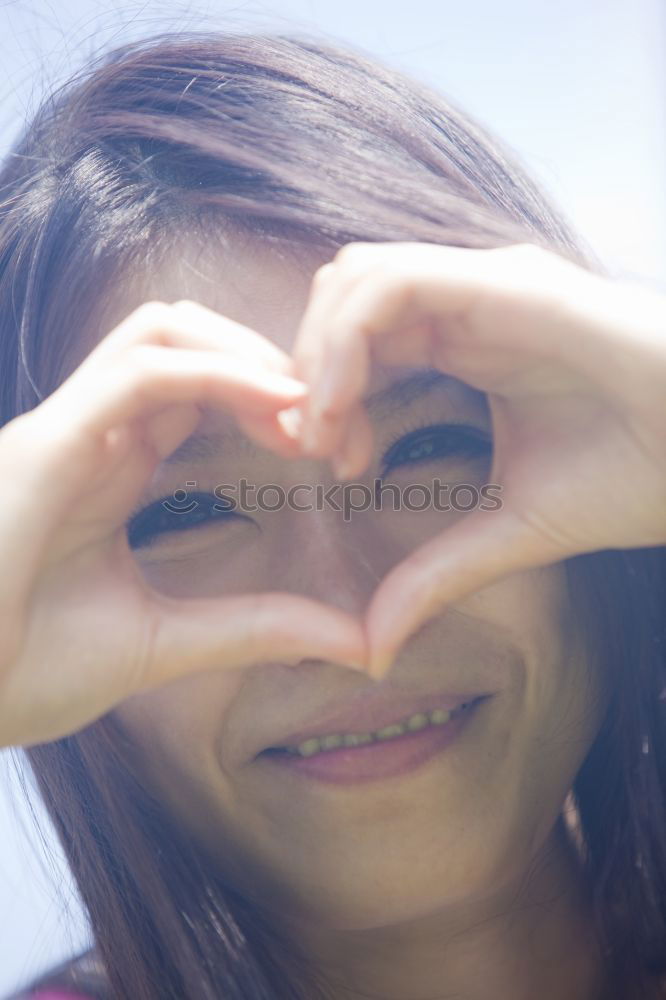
437	441
167	515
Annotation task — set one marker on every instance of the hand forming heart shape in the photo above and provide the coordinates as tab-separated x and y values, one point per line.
574	368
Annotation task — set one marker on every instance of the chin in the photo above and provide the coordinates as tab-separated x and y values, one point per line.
362	898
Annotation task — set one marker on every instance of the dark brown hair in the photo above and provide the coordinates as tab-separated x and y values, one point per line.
296	140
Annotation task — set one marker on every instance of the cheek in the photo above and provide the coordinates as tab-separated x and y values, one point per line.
416	503
177	729
206	562
532	608
553	712
563	698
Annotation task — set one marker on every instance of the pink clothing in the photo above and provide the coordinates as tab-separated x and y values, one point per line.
58	995
79	978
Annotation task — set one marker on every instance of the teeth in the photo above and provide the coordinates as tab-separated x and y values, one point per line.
417	721
330	742
356	739
308	747
438	717
397	729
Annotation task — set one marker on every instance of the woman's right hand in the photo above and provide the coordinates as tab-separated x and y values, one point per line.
80	628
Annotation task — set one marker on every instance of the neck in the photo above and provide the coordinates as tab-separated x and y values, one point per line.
533	938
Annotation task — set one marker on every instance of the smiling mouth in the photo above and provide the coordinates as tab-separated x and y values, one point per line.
415	723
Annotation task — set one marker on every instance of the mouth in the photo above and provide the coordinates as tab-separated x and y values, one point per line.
390	751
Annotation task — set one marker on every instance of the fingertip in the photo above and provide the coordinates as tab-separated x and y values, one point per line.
343	469
285	385
380	663
382	645
325	395
355	453
291	421
359	665
321	440
309	436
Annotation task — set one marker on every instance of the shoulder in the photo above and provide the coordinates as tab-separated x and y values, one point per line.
81	976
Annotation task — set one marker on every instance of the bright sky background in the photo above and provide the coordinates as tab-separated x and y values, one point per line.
577	88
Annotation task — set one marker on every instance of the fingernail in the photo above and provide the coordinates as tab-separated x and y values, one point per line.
380	664
291	421
342	468
309	435
324	393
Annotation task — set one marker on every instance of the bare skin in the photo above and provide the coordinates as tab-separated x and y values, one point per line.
457	880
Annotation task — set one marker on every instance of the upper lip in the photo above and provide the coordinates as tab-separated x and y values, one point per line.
372	711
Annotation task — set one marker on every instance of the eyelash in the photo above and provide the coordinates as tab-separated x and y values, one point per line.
453	439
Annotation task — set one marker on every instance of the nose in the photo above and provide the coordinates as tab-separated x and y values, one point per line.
323	556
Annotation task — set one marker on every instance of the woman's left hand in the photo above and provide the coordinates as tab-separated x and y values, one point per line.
574	367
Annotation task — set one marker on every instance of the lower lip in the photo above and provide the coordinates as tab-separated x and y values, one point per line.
371	761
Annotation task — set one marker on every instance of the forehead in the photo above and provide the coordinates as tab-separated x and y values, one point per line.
258	284
262	285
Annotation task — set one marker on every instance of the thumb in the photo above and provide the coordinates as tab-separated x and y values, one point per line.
475	552
212	633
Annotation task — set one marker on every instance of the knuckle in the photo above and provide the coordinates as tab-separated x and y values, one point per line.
528	264
149	376
186	306
403	286
352	254
143	368
531	254
151	315
149	322
394	285
322	274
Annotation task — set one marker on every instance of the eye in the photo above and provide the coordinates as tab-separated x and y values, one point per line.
436	441
157	519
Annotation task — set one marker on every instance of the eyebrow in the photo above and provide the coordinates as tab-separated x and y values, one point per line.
400	393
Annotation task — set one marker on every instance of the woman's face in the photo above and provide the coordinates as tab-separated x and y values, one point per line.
358	855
